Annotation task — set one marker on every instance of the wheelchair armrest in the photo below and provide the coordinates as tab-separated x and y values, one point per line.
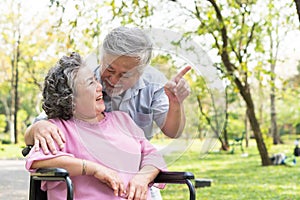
178	178
53	174
26	150
173	177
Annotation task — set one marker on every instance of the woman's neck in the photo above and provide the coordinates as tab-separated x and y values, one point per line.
91	119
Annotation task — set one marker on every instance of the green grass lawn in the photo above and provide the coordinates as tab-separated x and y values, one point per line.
238	177
233	176
11	151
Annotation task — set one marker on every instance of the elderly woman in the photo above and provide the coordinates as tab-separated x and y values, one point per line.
106	154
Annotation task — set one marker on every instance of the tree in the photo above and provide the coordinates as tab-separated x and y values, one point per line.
12	103
274	38
297	3
241	82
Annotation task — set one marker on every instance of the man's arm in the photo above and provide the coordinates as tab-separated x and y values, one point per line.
177	90
44	134
175	121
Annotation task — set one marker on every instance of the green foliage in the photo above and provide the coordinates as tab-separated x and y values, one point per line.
22	117
164	63
235	125
268	139
131	12
211	113
288	105
2	123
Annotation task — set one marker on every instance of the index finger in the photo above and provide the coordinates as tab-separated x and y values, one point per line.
59	138
182	73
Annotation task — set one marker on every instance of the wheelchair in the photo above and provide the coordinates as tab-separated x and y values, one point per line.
59	174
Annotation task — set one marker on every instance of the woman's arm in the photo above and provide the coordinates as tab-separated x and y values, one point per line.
44	134
151	162
138	186
77	167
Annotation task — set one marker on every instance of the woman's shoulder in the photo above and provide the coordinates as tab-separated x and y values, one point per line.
56	120
61	123
121	119
117	114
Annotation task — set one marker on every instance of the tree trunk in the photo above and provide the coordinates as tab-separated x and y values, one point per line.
16	101
11	118
246	129
15	104
297	2
226	119
246	94
273	129
258	135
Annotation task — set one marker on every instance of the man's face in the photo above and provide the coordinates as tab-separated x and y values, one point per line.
119	73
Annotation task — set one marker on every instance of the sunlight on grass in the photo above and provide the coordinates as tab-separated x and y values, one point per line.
237	177
11	151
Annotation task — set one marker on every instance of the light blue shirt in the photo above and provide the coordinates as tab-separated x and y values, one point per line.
145	102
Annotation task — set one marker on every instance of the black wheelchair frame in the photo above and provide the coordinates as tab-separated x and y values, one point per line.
59	174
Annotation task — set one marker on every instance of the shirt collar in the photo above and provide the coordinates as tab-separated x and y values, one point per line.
134	90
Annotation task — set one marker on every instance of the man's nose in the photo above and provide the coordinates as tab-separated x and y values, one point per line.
114	79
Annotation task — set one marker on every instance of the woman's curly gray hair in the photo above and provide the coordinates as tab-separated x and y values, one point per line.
59	87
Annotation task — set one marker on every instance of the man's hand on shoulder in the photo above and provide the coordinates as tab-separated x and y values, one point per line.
44	134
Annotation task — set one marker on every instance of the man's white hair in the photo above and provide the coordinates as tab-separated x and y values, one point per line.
125	41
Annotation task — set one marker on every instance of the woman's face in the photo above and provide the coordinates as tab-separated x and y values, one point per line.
119	73
89	102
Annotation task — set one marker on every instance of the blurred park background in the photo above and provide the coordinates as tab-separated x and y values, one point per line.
254	47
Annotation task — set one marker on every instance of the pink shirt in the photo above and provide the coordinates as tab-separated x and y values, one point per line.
115	142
